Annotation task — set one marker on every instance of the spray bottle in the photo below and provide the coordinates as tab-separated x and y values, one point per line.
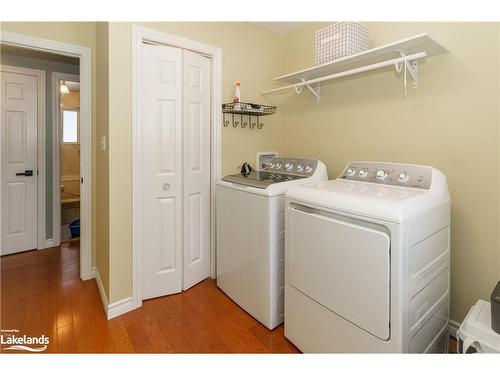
237	97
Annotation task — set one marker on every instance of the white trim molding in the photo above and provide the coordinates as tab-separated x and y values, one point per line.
56	153
116	308
453	327
120	307
100	288
139	35
85	57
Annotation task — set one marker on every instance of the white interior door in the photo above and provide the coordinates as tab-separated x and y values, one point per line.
160	125
196	141
19	155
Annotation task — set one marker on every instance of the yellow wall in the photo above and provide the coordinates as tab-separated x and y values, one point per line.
101	233
80	33
450	122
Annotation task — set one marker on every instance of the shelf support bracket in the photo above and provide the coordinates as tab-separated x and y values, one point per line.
298	90
413	71
315	91
410	67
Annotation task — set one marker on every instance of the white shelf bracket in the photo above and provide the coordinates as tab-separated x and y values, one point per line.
298	90
410	67
315	91
413	70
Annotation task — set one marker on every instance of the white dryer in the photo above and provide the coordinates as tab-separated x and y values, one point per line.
367	261
251	231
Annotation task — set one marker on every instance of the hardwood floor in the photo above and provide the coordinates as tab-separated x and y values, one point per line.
41	293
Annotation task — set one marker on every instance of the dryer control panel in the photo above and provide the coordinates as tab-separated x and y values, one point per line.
408	175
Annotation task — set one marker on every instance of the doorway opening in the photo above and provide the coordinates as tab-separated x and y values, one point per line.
49	88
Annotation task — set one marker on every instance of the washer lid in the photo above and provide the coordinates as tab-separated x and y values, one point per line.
389	203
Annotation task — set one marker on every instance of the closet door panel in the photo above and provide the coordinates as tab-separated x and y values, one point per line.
160	123
196	157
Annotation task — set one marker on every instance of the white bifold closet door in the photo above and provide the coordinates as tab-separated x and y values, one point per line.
175	169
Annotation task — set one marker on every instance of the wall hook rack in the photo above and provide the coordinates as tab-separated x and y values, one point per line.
245	114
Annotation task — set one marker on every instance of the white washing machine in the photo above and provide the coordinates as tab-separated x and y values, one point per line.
250	233
367	261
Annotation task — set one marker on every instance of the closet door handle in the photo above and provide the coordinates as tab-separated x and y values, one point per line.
166	186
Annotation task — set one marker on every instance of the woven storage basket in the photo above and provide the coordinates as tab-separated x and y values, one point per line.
339	40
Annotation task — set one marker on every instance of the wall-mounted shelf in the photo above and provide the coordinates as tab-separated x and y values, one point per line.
403	54
246	111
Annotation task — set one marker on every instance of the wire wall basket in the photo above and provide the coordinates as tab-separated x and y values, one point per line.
245	114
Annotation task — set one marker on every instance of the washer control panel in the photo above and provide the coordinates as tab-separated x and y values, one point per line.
300	167
415	176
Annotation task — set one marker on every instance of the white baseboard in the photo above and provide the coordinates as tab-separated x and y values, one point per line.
115	309
100	288
50	243
453	328
120	307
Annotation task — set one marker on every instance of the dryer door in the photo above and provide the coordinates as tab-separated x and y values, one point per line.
342	265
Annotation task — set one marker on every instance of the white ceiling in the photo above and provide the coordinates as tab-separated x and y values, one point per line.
280	28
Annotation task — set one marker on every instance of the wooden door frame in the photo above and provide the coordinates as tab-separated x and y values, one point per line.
56	154
40	126
140	34
84	54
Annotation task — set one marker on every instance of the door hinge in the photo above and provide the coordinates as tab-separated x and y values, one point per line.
81	180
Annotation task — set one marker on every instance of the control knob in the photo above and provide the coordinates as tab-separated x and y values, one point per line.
278	165
300	168
351	172
362	173
308	169
381	175
403	177
288	167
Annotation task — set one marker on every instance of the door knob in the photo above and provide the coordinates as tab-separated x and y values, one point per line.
166	186
27	172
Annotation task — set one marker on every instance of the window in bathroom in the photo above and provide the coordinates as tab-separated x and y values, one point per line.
70	120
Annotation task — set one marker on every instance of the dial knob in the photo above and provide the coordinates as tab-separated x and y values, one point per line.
278	165
382	175
403	177
308	169
271	165
351	172
362	173
300	168
288	167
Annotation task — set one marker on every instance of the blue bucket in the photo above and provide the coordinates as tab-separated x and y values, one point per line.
74	227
